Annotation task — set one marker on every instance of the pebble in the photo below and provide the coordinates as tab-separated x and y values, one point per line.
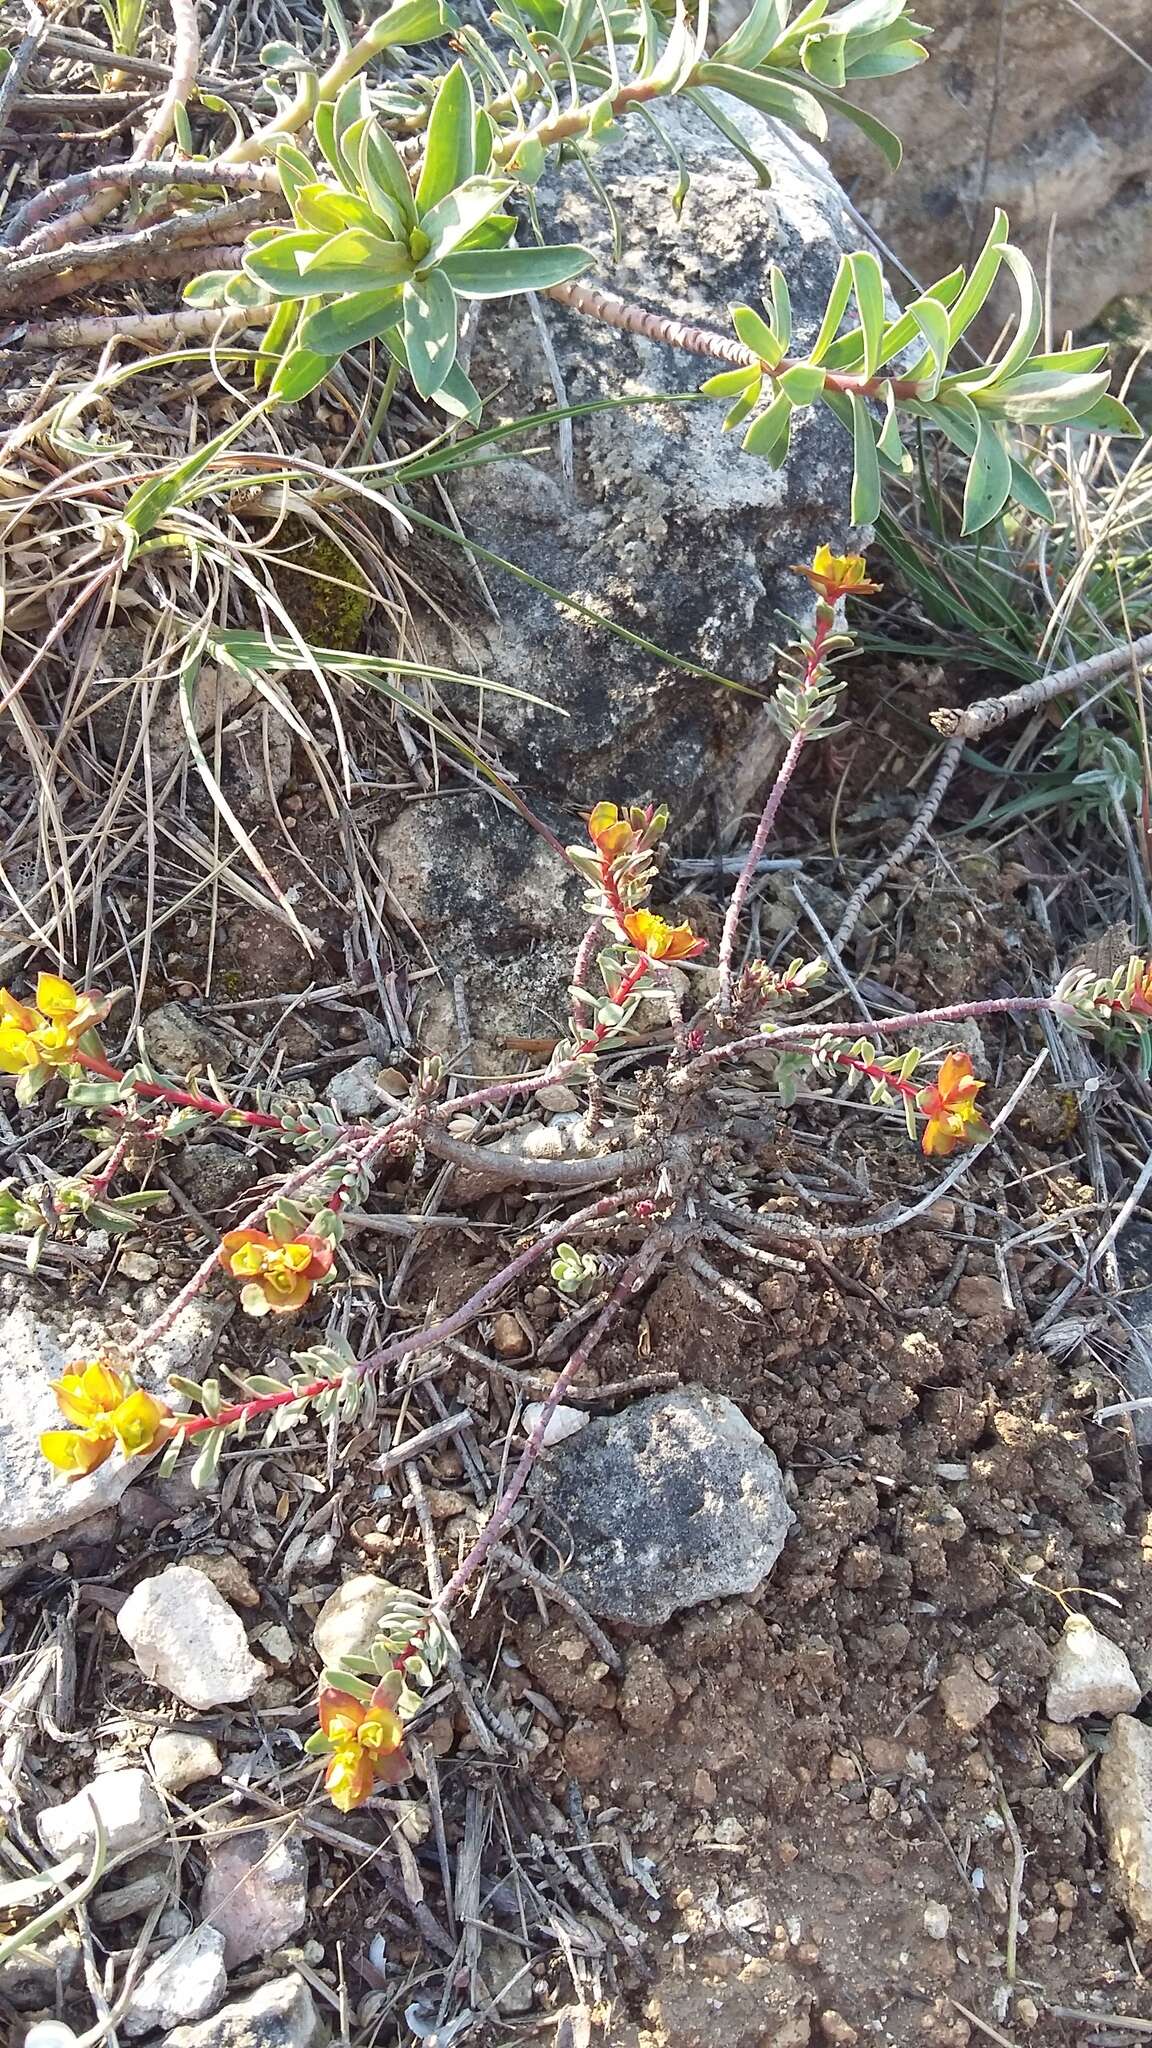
1124	1792
276	1643
937	1920
255	1891
184	1636
509	1338
561	1423
130	1809
1090	1675
347	1623
138	1266
967	1699
354	1092
186	1983
279	2015
980	1296
556	1098
502	1964
179	1759
227	1574
1065	1744
647	1701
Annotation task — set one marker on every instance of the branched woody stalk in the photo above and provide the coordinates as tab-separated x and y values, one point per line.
283	1251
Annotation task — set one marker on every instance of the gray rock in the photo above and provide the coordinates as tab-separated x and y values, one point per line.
279	2015
186	1983
1090	1675
255	1891
130	1808
966	1698
1124	1792
37	1976
665	526
185	1636
507	1974
347	1623
1068	116
675	1501
353	1092
177	1040
214	1175
179	1759
39	1342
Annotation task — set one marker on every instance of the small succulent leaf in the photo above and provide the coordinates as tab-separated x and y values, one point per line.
834	312
758	33
803	382
449	149
866	486
460	212
868	285
981	278
276	264
1029	323
383	176
347	322
498	273
756	334
989	482
776	95
781	307
356	261
932	320
770	433
823	57
457	396
429	330
729	383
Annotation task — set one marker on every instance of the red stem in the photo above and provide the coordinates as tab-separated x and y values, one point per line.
180	1098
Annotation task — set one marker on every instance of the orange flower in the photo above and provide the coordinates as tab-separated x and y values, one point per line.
108	1409
833	576
659	941
950	1107
363	1740
277	1277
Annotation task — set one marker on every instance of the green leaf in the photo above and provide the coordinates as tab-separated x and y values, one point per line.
411	21
461	213
729	383
207	1463
1043	395
1028	325
356	262
294	172
383	175
497	273
889	446
989	483
756	334
868	284
150	501
275	263
890	146
803	383
866	486
758	33
458	396
776	95
1109	416
823	57
932	320
429	331
346	323
981	279
781	306
834	312
731	133
327	211
1070	359
771	432
352	107
449	148
866	17
298	373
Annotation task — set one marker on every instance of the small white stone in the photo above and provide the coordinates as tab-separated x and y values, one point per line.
256	1892
561	1423
276	1643
185	1637
937	1920
347	1623
130	1808
1090	1675
556	1098
279	2015
1124	1790
138	1266
354	1092
186	1983
179	1759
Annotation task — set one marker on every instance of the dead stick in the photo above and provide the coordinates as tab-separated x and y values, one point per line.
128	178
144	330
993	711
119	253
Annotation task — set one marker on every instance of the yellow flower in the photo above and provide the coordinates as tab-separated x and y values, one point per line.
107	1410
364	1740
833	576
660	941
34	1040
950	1107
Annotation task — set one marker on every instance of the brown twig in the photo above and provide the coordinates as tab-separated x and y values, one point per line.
21	59
125	256
144	330
130	178
185	60
993	711
917	831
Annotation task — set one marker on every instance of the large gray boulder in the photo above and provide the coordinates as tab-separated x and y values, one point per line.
660	523
1064	112
674	1501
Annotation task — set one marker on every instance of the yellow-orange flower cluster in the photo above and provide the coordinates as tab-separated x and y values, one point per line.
36	1039
833	576
364	1742
107	1409
278	1277
660	941
950	1107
